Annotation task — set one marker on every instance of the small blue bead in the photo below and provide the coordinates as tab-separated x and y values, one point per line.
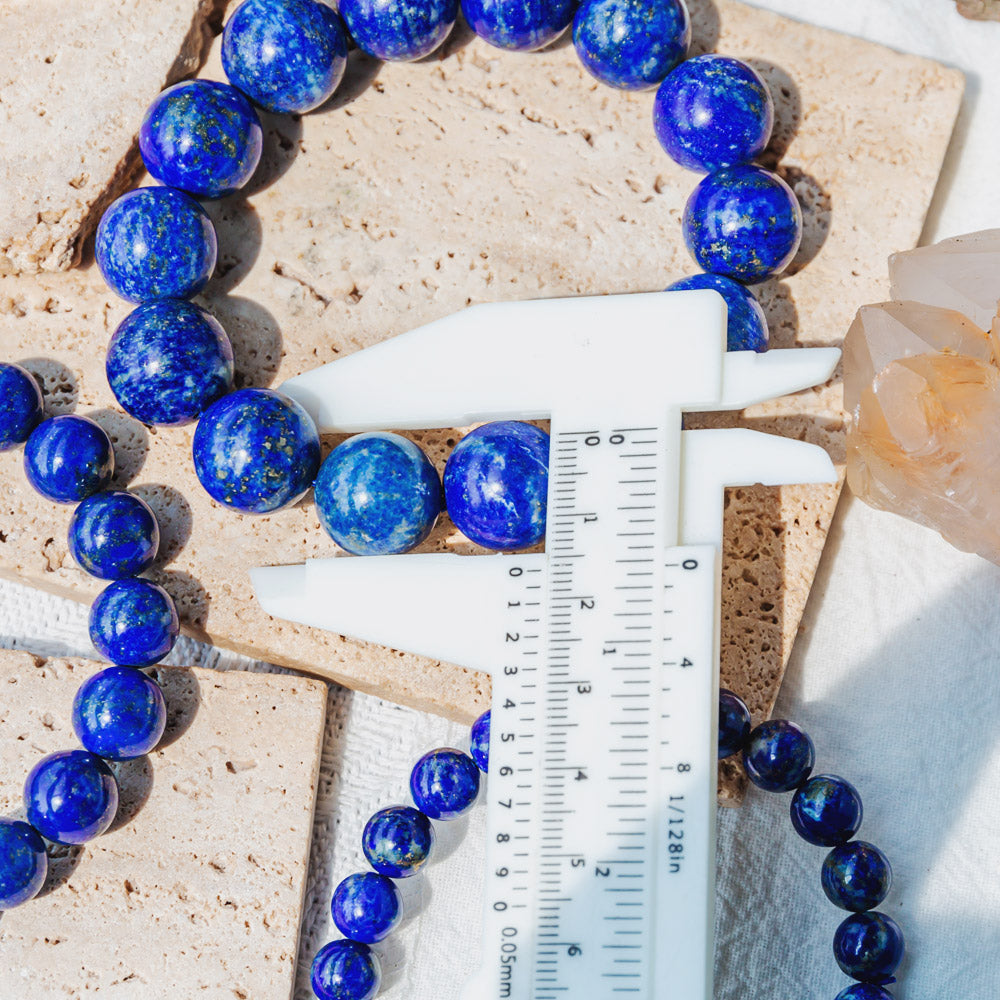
21	406
496	484
713	112
868	947
399	30
286	55
480	748
734	723
826	810
346	970
71	796
397	841
114	535
68	458
256	451
156	243
778	756
856	876
23	863
202	137
864	991
631	44
119	713
746	324
744	223
444	783
377	494
524	25
133	623
366	907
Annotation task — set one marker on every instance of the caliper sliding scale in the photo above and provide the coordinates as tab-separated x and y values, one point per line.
604	649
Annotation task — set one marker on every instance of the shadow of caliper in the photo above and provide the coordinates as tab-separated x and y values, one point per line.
604	649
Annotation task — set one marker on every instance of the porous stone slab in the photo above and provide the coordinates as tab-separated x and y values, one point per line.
197	890
474	176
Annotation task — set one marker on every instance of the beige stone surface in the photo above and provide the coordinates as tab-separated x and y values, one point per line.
197	889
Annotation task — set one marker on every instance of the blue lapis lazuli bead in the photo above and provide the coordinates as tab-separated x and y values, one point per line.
288	56
256	451
868	947
366	907
744	223
397	841
133	623
71	796
746	324
480	741
202	137
631	44
399	30
119	713
156	243
346	970
23	863
713	112
856	876
168	361
377	494
444	783
778	756
21	407
524	25
826	810
496	484
734	723
68	458
864	991
114	535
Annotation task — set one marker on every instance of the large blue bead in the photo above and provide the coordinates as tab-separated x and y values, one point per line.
377	494
156	243
713	112
346	970
286	55
133	623
68	458
518	24
168	361
868	947
119	713
366	907
71	796
114	535
826	810
856	876
444	783
23	863
734	723
21	406
778	756
746	324
399	30
480	742
863	991
201	136
256	451
496	484
744	223
631	44
397	841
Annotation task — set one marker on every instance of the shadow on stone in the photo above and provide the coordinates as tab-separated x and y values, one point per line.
787	110
239	231
173	514
64	859
705	26
255	335
57	382
131	441
183	695
362	71
817	214
135	784
191	599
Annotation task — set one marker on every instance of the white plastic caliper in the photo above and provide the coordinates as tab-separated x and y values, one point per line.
604	649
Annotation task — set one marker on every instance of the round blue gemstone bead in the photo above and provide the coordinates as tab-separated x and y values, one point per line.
201	136
713	112
119	713
399	30
114	535
631	44
444	783
496	484
746	324
856	876
868	947
68	458
480	742
826	810
23	863
366	907
377	494
744	223
734	723
778	756
397	841
525	25
346	970
21	406
256	451
133	623
156	243
287	56
864	991
168	361
71	796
